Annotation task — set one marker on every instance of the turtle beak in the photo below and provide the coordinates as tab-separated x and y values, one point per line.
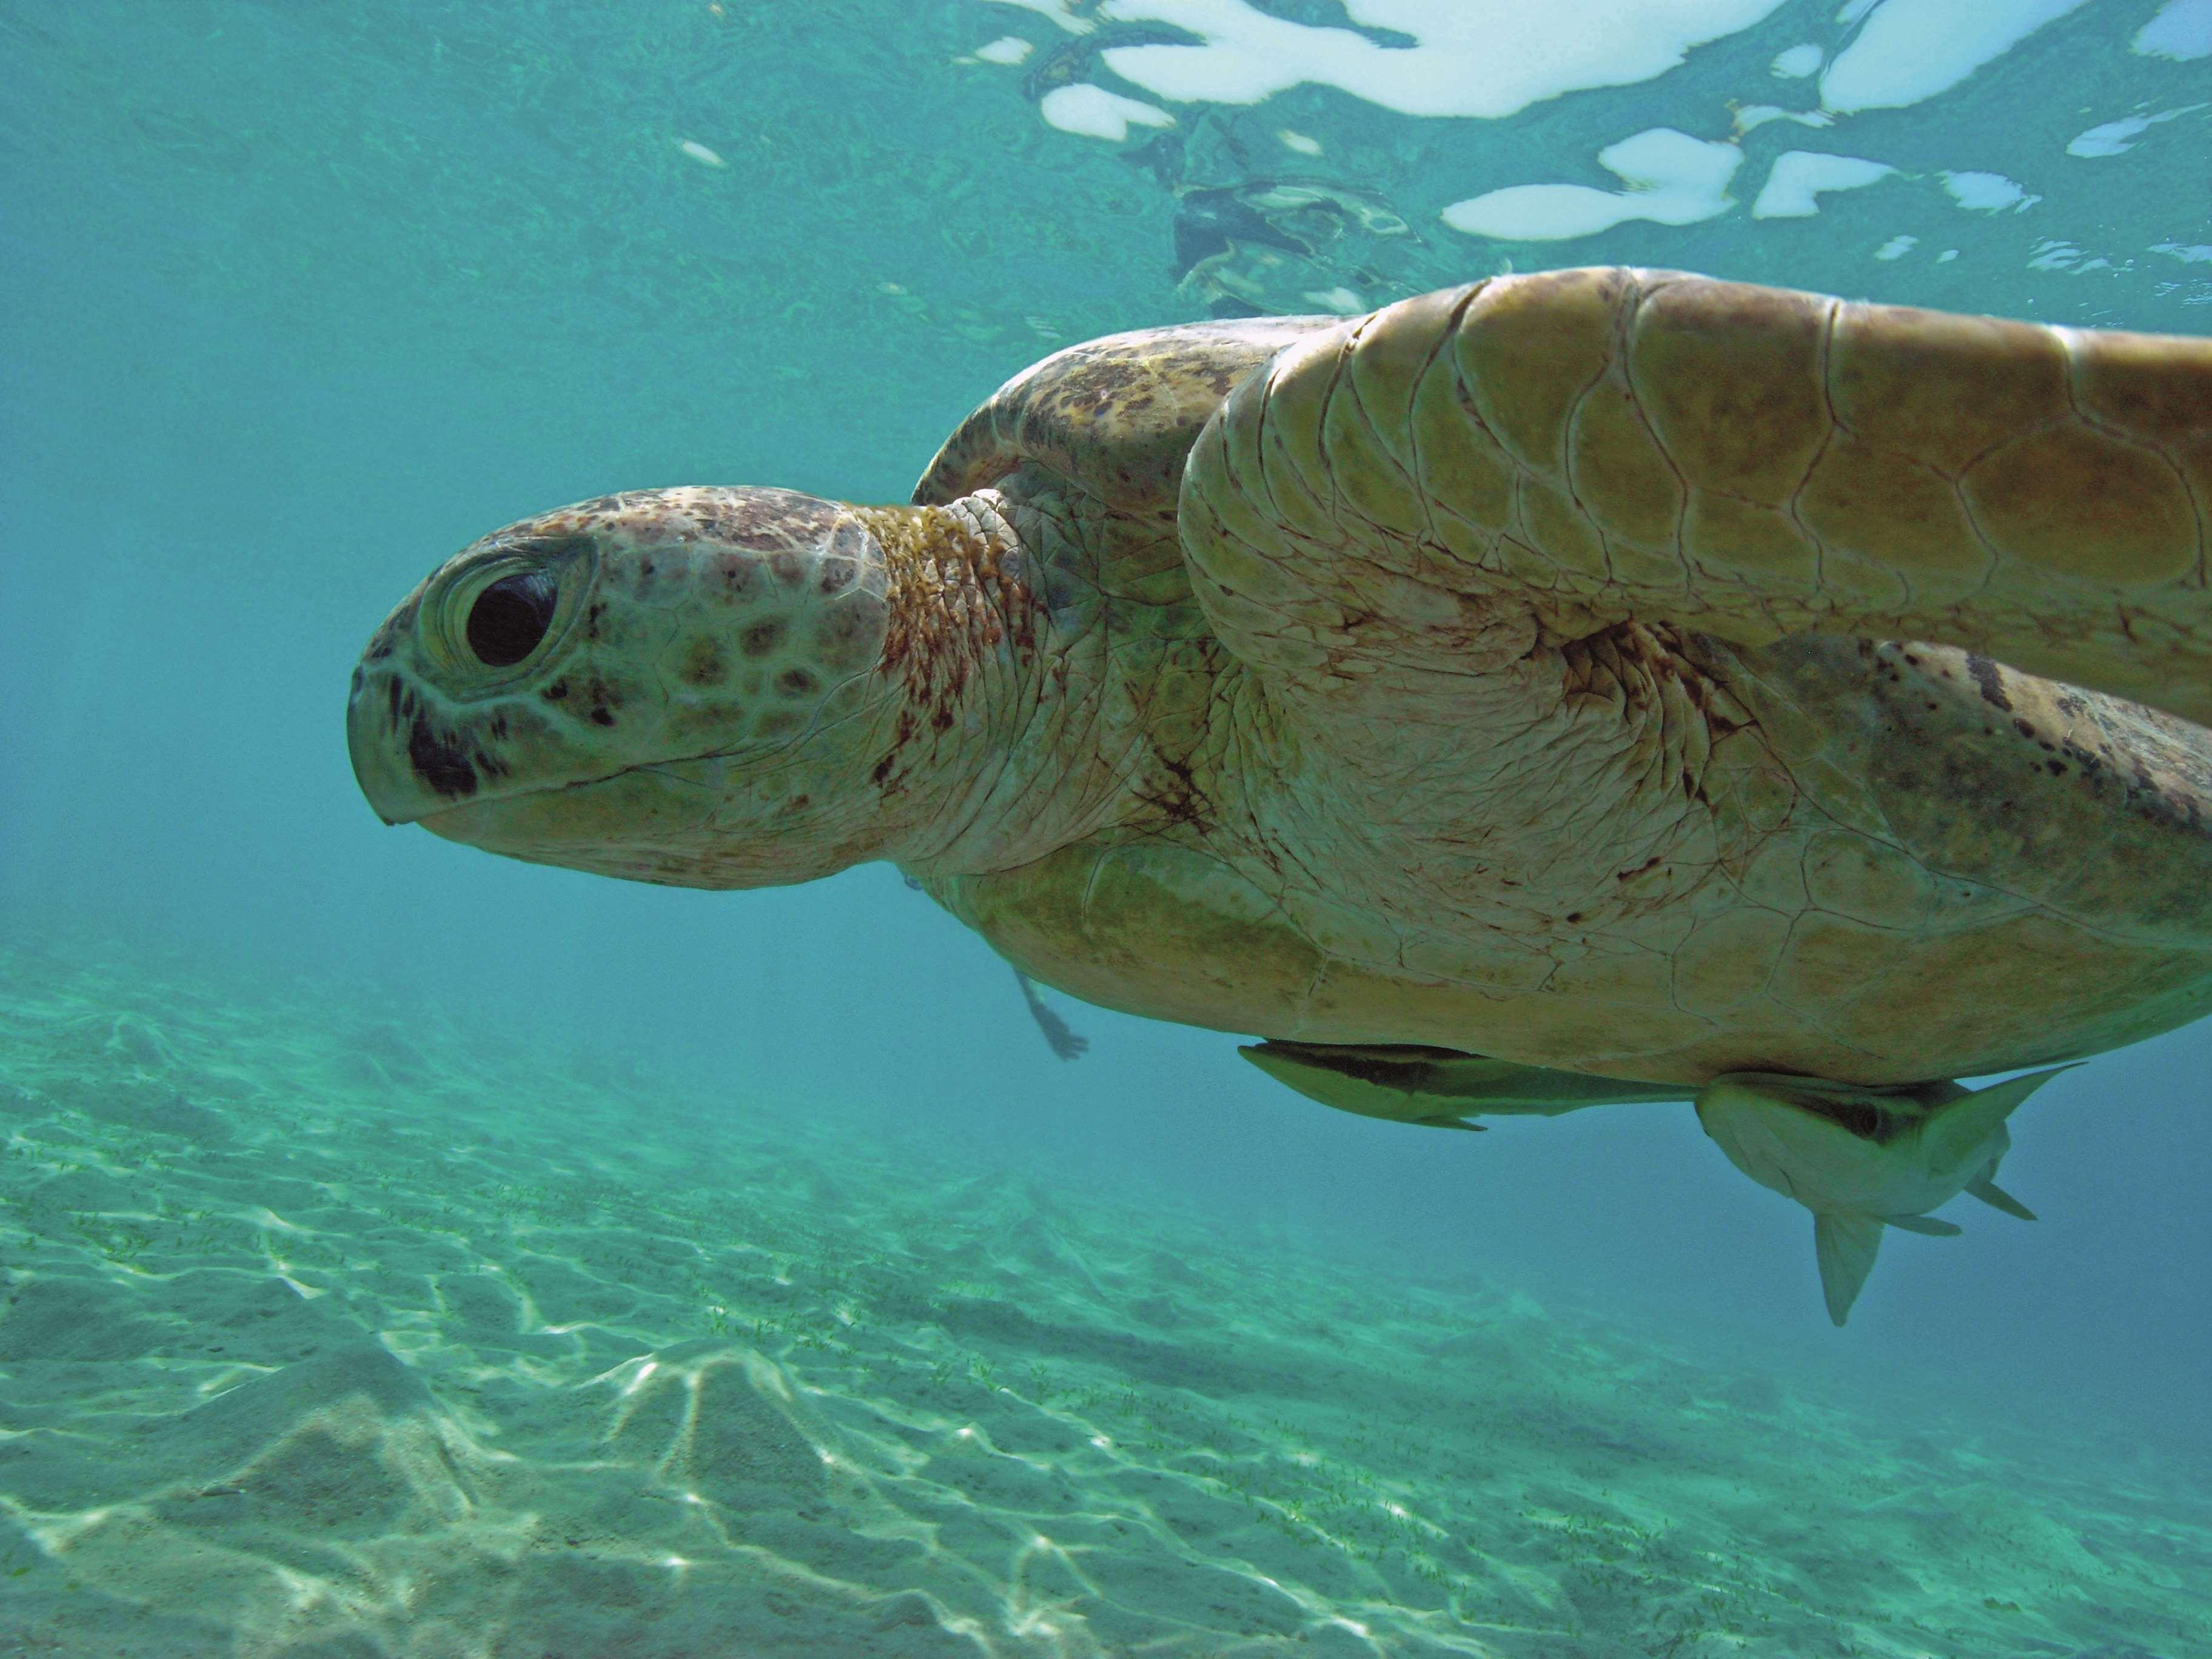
381	715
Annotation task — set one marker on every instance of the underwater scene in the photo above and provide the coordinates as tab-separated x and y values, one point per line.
915	1099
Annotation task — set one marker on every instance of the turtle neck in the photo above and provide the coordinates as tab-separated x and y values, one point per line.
988	735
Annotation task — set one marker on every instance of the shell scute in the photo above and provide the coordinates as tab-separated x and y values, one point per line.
1115	416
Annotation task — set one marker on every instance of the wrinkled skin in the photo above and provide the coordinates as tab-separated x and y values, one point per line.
1503	671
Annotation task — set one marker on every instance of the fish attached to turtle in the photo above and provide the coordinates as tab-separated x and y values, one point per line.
1598	684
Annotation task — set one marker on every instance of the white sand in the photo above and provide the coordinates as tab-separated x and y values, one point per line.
333	1331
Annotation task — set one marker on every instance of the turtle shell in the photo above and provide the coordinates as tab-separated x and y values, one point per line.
1115	416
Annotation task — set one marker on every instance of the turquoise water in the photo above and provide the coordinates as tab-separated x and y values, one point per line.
410	1251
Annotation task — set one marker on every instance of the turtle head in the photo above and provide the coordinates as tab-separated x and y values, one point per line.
662	685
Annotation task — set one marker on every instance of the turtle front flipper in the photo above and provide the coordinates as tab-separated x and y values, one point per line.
1863	1158
1429	490
1441	1088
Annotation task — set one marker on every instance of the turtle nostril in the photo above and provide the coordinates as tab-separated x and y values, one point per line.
510	617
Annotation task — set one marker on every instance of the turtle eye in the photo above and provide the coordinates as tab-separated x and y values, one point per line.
510	617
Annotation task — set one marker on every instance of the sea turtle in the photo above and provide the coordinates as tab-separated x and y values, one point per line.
1597	684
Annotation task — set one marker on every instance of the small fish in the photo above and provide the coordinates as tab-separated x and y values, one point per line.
1862	1159
699	153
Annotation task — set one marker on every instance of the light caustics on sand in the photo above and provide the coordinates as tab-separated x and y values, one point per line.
1489	59
533	1358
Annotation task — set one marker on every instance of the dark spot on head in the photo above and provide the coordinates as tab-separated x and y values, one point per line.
837	575
2023	727
790	569
603	715
439	761
797	681
556	691
760	638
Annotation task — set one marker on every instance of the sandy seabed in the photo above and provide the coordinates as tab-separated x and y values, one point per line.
329	1332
